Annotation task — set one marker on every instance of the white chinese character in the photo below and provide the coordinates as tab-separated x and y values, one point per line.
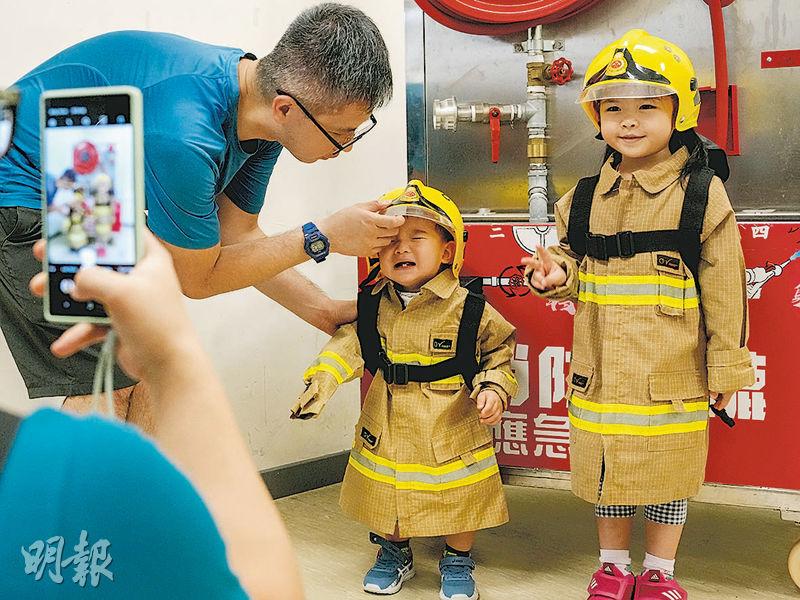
551	435
552	379
760	231
512	435
749	406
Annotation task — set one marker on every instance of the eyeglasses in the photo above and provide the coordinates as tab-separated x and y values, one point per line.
8	109
359	132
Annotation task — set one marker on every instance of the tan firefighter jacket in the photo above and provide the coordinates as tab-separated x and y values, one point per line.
647	347
421	459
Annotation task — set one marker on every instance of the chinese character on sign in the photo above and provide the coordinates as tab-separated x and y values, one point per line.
91	563
551	436
750	406
511	435
760	231
552	368
796	299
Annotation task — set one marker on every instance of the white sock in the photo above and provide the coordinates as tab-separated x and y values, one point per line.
659	564
619	558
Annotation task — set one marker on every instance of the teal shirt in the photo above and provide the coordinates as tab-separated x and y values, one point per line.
67	475
192	152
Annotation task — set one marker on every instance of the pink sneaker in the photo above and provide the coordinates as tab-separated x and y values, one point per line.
655	585
610	583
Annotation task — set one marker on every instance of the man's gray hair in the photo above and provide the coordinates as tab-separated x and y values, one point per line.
331	56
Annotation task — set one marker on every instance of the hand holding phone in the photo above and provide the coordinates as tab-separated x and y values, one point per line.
92	161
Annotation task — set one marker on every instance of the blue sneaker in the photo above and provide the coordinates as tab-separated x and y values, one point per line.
392	567
457	580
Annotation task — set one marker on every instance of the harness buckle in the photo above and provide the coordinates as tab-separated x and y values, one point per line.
625	244
385	365
399	373
596	246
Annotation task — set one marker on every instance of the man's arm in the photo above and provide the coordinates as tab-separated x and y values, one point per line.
303	297
289	288
245	256
219	269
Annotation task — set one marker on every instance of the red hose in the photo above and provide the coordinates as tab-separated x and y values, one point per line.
497	17
720	71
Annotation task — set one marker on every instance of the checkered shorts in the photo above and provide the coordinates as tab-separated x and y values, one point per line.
670	513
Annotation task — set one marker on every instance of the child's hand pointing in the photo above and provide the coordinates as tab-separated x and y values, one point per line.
542	272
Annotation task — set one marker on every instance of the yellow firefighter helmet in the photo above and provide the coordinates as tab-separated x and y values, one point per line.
640	65
419	200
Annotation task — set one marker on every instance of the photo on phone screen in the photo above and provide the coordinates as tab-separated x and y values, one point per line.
89	166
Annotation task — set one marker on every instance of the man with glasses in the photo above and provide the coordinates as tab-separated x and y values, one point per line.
216	120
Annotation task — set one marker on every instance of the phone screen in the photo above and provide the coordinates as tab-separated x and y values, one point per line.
89	171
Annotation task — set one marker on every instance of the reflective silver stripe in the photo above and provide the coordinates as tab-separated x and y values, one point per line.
423	477
636	289
327	362
629	419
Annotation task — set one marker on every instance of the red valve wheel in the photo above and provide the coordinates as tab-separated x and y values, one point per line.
561	71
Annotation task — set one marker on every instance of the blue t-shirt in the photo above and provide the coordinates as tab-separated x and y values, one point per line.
192	152
102	501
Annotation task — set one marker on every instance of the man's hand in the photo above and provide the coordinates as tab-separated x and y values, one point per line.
360	230
542	271
721	399
146	309
490	406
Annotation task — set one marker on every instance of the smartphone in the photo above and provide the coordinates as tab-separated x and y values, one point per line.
92	155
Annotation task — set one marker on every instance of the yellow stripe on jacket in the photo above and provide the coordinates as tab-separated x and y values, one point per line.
628	419
411	476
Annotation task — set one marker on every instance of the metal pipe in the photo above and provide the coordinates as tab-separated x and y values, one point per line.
536	108
449	112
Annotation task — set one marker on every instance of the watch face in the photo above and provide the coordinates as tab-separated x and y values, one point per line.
317	246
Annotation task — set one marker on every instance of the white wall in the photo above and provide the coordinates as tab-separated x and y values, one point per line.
259	348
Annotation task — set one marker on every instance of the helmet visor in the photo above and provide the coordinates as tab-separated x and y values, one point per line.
623	89
423	209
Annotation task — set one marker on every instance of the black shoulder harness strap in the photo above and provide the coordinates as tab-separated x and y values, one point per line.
8	432
464	362
685	239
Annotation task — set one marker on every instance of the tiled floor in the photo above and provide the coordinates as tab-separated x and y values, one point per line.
547	551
